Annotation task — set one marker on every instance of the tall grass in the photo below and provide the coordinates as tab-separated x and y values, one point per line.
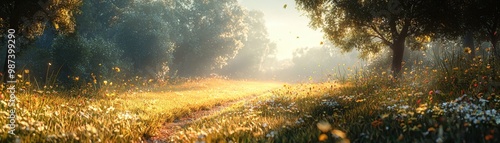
442	100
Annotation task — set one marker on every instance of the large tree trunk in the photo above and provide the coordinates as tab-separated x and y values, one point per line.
398	48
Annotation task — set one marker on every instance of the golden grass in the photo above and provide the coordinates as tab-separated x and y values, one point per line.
193	96
129	117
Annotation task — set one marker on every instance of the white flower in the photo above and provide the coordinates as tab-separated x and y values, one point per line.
439	140
271	134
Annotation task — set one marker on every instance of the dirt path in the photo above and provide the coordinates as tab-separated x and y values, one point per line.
169	128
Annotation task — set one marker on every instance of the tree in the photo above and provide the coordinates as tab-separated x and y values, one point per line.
29	18
368	25
214	35
98	18
150	25
257	47
489	17
467	19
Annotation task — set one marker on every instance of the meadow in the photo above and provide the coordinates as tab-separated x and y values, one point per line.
455	100
452	100
130	116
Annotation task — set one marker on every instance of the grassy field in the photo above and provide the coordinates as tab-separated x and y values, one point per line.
328	112
132	116
455	101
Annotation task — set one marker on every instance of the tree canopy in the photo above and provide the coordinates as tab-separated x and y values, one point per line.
368	25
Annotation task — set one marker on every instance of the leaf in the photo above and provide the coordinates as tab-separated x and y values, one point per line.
284	6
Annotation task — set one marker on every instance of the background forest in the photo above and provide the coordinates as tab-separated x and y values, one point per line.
209	71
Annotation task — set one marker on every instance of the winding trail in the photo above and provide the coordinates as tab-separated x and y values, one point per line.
244	90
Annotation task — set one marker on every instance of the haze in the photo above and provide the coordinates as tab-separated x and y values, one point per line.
285	25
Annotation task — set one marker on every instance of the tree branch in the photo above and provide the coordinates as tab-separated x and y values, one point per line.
387	42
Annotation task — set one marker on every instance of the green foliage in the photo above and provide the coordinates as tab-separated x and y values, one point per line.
216	32
84	58
257	49
145	39
28	18
364	25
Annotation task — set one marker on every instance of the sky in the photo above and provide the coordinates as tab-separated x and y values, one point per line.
284	25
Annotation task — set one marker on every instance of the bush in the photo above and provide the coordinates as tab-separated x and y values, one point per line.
85	60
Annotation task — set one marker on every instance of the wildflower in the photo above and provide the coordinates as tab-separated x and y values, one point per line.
467	50
322	137
488	137
324	126
339	134
376	123
91	129
271	134
431	129
439	140
401	137
116	69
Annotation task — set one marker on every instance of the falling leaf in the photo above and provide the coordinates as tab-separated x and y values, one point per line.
284	6
321	43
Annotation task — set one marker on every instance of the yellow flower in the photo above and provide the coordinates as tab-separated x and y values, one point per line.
324	126
467	50
77	78
105	82
322	137
26	71
117	69
339	133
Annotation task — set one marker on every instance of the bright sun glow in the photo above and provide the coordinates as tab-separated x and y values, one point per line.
287	27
